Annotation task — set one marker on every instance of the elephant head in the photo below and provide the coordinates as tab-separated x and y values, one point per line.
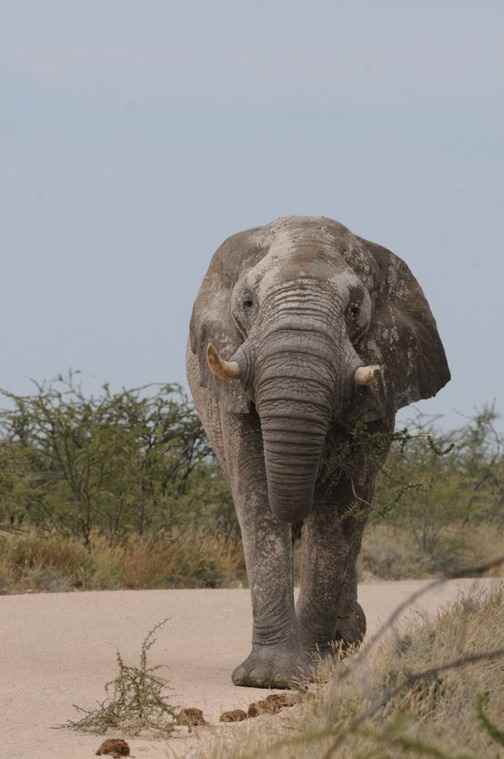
298	322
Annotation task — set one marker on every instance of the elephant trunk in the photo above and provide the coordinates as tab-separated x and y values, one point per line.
298	391
292	453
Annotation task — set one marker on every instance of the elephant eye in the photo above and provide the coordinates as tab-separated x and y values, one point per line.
354	310
248	303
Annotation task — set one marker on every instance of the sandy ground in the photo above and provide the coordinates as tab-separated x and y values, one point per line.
59	649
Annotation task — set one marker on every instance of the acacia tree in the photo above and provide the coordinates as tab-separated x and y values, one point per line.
109	462
433	479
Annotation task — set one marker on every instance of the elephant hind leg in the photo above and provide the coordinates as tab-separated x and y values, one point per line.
350	624
328	612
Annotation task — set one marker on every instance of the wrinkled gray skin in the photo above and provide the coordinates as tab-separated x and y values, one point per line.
299	304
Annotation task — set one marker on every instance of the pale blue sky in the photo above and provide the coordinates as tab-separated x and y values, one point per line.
136	136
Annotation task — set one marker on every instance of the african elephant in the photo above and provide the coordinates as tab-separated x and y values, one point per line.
304	341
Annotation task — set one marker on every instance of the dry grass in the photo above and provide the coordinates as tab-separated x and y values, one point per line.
394	553
190	558
39	562
179	559
390	553
407	715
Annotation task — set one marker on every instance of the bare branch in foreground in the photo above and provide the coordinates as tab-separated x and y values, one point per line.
411	679
380	633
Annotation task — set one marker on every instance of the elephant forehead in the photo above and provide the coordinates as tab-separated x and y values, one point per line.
296	256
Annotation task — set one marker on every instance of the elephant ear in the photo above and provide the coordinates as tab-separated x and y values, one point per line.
403	336
212	321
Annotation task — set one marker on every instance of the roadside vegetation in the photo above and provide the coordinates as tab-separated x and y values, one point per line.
136	700
432	689
120	490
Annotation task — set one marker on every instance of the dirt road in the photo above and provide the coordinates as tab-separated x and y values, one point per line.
59	649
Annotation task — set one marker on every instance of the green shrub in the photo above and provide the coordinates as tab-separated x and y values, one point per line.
118	463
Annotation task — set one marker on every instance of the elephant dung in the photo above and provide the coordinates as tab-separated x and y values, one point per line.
236	715
190	717
115	747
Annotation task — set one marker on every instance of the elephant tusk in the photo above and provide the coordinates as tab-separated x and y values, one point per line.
224	370
366	375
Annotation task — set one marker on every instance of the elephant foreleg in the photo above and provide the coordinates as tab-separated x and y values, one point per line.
277	656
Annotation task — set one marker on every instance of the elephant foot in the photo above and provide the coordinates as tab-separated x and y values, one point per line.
273	667
347	634
351	630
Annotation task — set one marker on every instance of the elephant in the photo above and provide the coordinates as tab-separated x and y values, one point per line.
305	340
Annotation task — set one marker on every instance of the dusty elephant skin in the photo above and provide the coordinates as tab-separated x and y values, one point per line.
304	342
